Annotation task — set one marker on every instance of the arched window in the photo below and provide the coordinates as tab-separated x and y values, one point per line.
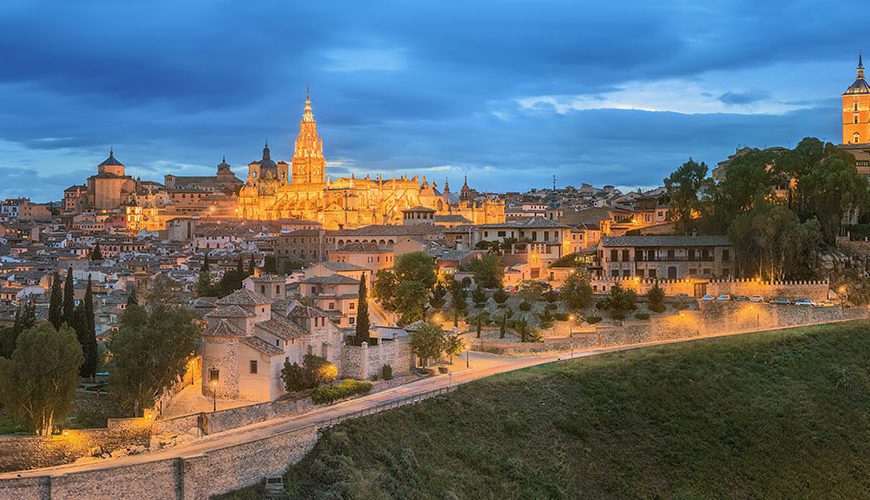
856	118
856	138
855	106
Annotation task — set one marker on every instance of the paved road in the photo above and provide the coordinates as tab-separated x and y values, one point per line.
482	365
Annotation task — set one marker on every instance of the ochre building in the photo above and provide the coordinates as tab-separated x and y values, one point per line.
856	110
305	192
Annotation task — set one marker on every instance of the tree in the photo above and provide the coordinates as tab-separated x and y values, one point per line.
69	298
362	327
384	288
619	301
479	319
749	180
684	187
502	326
656	298
771	242
410	301
38	383
205	266
479	296
133	298
240	268
270	264
251	266
453	346
416	266
150	352
500	296
55	307
86	332
488	270
25	318
314	371
439	297
96	253
576	292
428	342
458	301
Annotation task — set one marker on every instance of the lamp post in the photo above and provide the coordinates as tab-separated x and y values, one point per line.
214	396
467	351
842	292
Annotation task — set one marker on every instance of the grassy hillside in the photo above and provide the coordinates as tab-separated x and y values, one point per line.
783	414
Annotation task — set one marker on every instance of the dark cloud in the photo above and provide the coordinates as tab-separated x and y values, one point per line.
397	86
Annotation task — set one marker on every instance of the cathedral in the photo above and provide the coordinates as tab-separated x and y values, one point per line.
302	190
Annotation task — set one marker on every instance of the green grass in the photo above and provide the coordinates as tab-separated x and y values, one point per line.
783	414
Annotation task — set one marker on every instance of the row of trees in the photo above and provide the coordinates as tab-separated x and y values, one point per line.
149	353
778	207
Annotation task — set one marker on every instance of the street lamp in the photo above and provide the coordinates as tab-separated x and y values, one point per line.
214	395
467	351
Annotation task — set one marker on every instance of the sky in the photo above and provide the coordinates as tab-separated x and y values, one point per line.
508	93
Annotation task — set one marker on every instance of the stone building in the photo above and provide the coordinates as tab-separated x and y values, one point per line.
271	192
111	186
665	257
251	334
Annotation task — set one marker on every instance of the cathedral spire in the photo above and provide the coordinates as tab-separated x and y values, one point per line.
860	65
308	114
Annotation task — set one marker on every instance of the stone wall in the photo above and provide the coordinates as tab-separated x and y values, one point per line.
364	362
28	452
813	290
713	318
196	477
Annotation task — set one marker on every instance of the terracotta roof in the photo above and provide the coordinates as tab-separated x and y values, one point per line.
360	247
332	279
303	311
243	297
230	311
224	328
282	328
665	241
261	345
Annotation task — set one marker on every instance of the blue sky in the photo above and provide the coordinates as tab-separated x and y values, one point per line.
509	92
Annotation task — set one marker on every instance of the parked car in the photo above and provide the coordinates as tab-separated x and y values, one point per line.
756	298
827	303
723	298
708	297
741	298
804	302
780	300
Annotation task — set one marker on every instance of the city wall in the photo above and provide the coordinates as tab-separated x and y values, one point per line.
196	477
814	290
713	318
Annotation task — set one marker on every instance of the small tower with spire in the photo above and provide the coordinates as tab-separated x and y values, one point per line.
856	108
309	164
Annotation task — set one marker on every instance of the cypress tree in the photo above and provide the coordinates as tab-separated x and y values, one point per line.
96	253
55	307
362	314
69	298
88	327
251	266
205	264
240	266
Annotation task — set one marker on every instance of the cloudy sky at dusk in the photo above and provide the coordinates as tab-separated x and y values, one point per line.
510	93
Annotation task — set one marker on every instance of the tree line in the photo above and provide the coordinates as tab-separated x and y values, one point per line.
779	207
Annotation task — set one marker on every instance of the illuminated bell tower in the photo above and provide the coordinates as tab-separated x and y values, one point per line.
856	110
309	165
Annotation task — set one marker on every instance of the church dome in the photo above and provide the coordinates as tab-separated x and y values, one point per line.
111	161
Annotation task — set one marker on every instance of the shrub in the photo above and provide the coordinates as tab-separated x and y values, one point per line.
561	316
593	319
345	388
657	308
313	372
525	306
552	307
641	315
387	372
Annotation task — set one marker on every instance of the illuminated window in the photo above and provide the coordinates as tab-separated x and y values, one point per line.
856	138
855	107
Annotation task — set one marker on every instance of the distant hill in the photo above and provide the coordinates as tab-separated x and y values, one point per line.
782	414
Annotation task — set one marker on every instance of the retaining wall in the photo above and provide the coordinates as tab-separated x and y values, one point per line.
196	477
813	290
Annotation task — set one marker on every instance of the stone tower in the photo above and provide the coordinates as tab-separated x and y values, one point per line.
856	110
309	165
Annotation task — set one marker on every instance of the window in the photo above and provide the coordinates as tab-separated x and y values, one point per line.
253	367
546	235
651	273
615	273
855	106
856	138
351	320
502	234
726	254
671	253
263	289
331	306
856	118
625	256
214	375
351	306
277	289
614	255
626	273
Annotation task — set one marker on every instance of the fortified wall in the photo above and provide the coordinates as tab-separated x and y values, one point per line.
816	290
362	362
